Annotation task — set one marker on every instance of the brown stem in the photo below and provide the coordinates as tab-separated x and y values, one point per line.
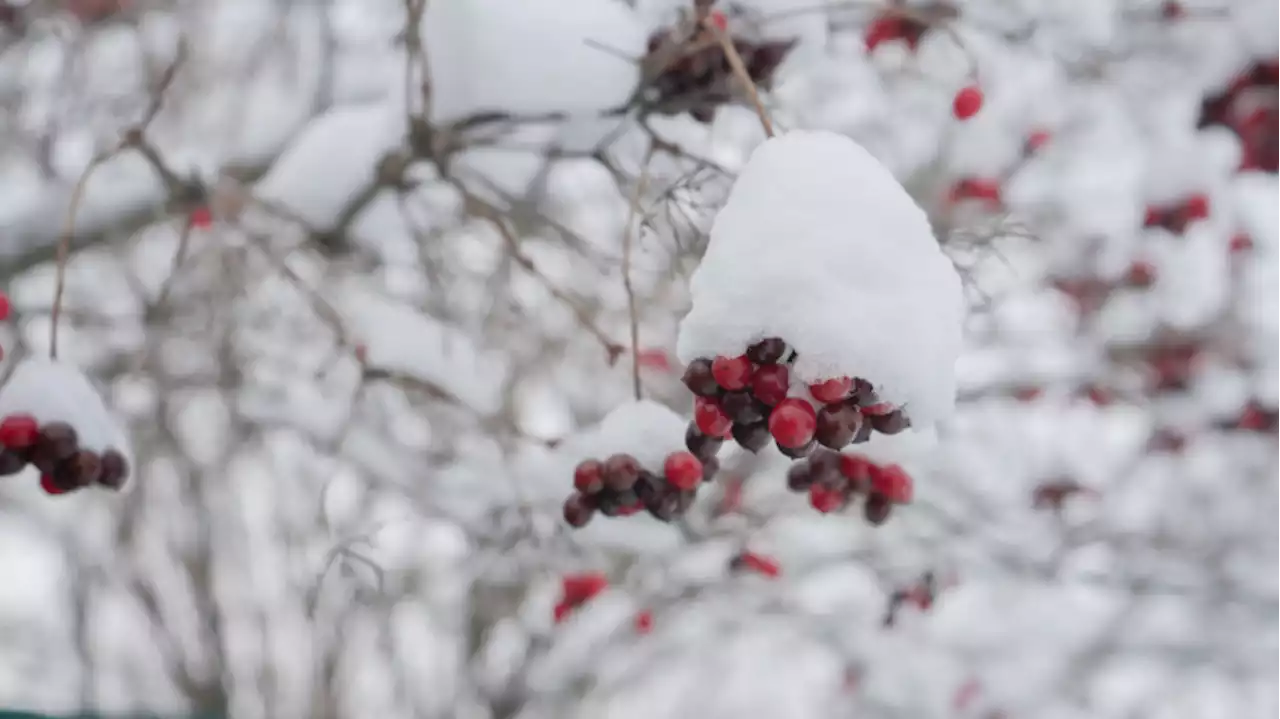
64	249
628	239
740	72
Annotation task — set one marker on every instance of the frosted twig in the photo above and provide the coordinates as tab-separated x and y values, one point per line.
628	239
740	72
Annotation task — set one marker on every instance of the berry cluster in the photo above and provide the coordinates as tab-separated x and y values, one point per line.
1248	107
833	479
621	487
54	450
695	74
747	398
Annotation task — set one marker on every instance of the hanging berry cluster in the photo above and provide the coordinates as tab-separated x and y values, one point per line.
835	479
694	74
749	398
54	450
620	487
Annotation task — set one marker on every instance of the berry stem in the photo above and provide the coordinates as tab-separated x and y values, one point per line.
740	72
628	238
64	246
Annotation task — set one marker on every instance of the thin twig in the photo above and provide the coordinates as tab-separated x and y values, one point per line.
628	238
740	72
64	248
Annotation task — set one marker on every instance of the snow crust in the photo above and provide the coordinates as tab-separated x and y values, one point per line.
818	244
53	391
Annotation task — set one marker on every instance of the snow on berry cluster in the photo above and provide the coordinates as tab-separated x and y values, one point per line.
834	479
819	246
51	418
633	462
751	398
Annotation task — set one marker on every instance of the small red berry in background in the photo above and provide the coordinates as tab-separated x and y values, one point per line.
654	359
824	499
19	431
1241	243
201	218
893	482
1140	274
644	622
832	390
732	373
1037	140
967	103
362	353
682	470
561	611
760	564
718	19
49	486
578	588
1171	10
6	307
1196	207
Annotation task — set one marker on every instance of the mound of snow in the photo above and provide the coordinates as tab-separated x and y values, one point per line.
818	244
530	57
644	429
53	391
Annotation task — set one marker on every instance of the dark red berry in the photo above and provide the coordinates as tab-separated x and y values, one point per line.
18	431
877	509
770	384
11	462
578	588
710	468
742	408
682	470
698	378
578	511
56	442
51	486
891	423
799	478
752	437
824	467
620	472
793	422
864	432
587	477
81	469
710	418
5	307
664	506
732	373
857	471
1196	207
832	390
704	447
837	424
684	499
767	351
115	469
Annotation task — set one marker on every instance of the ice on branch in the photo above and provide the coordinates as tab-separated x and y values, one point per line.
819	245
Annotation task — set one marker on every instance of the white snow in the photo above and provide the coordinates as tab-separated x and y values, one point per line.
644	429
819	245
54	391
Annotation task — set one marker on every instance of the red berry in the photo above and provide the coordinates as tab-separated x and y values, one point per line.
718	19
5	307
857	470
770	384
832	390
1154	217
644	622
201	218
758	563
731	372
1171	10
793	423
1140	274
1196	207
711	420
578	588
967	102
1037	140
877	409
50	485
18	431
562	611
577	511
893	482
587	477
682	470
824	499
1241	242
